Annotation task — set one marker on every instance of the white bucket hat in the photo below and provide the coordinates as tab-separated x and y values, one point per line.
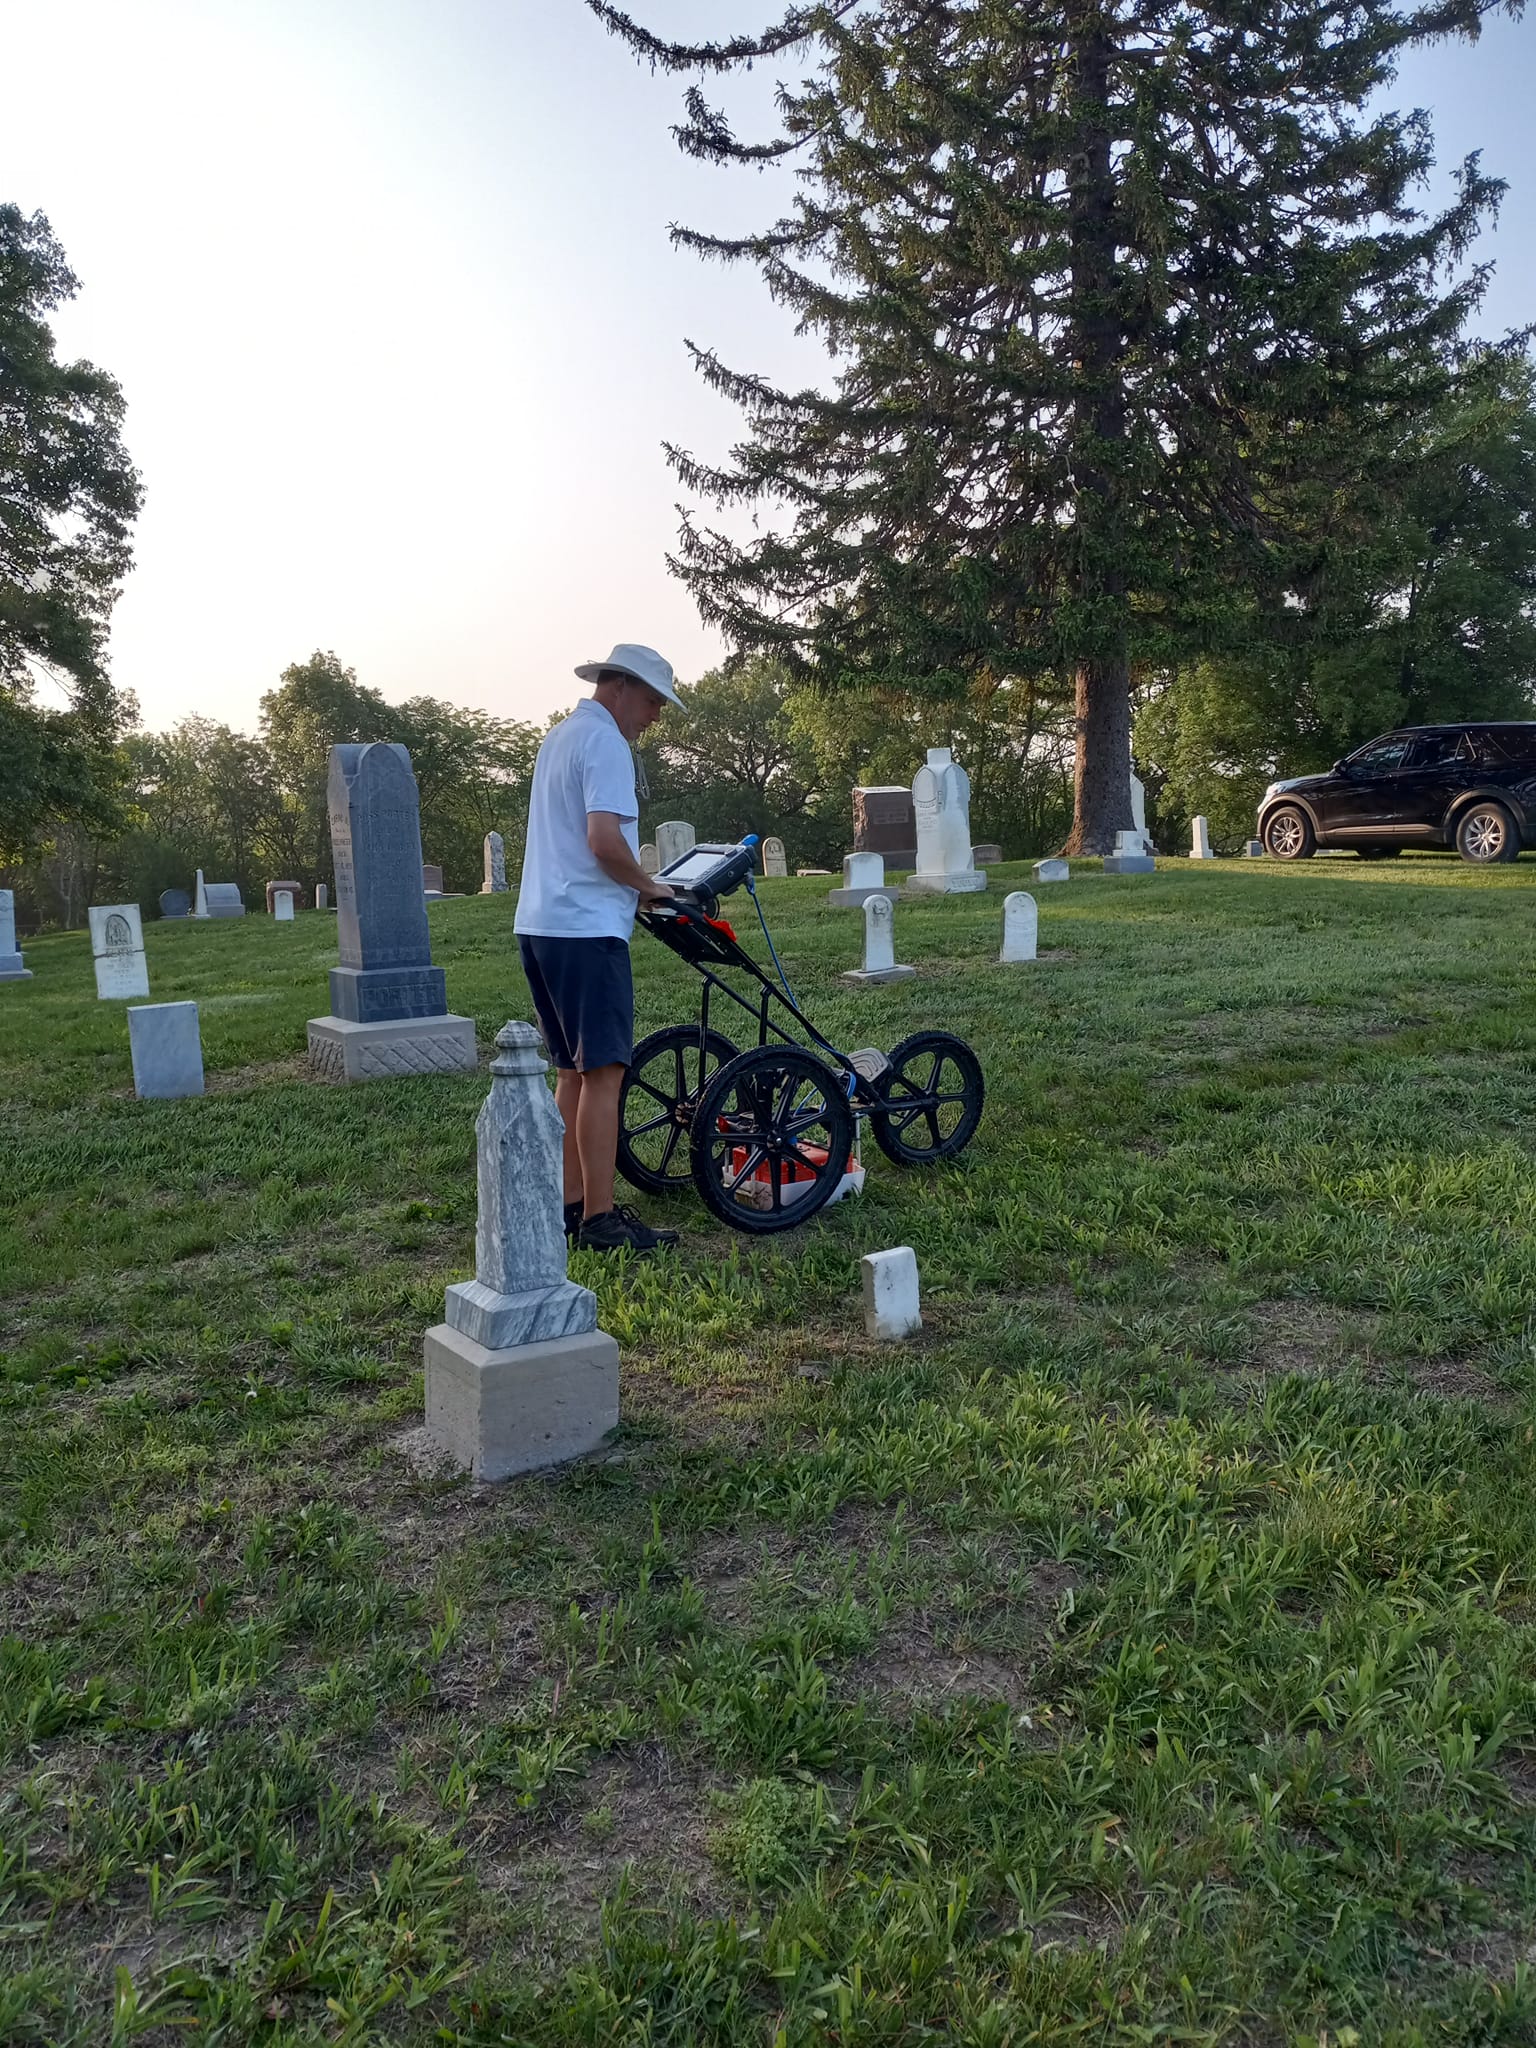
643	663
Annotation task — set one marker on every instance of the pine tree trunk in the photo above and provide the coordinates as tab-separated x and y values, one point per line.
1102	779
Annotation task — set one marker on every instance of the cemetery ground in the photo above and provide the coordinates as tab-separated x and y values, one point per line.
1145	1653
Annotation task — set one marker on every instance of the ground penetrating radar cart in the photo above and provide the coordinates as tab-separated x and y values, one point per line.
766	1135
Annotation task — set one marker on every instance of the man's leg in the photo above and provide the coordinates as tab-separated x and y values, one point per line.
568	1102
597	1135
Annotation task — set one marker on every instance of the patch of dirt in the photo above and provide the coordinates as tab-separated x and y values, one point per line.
1309	1337
644	1813
1297	1336
261	1074
910	1671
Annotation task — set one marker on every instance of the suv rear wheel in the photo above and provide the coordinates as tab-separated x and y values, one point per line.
1288	834
1486	833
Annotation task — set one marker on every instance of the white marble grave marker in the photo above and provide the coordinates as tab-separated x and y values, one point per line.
495	882
863	875
891	1303
282	906
117	947
518	1375
1052	871
774	862
322	896
200	898
879	944
1200	845
1021	927
1130	856
12	966
650	859
167	1051
941	798
673	840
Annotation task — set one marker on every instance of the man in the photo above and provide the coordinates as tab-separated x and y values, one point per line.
582	882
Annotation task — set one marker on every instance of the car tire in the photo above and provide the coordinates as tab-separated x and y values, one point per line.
1487	834
1288	834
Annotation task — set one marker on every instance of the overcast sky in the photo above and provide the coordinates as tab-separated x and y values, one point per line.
388	288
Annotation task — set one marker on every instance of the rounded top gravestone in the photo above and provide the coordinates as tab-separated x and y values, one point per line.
175	903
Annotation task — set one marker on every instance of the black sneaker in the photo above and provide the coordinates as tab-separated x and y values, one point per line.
620	1230
573	1216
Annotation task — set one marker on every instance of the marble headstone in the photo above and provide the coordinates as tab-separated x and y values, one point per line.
1052	871
1254	850
322	896
175	903
12	966
517	1374
295	890
167	1050
431	880
891	1294
774	862
1129	856
879	944
1200	844
863	874
1139	816
389	1004
282	906
673	840
650	859
200	896
1021	927
495	881
222	899
117	948
941	797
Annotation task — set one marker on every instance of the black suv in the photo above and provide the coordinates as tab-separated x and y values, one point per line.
1468	786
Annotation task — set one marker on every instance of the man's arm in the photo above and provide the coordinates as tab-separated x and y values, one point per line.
611	851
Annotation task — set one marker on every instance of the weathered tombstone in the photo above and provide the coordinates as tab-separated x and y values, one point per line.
673	840
1129	856
12	966
117	948
495	882
1200	844
322	896
167	1051
1254	850
863	877
774	863
431	880
988	856
1052	871
222	899
200	901
650	859
389	1004
813	871
891	1305
1139	816
941	798
1021	927
879	944
518	1375
175	903
884	822
282	906
295	890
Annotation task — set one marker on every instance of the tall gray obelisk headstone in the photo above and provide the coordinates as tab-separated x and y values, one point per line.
12	966
495	882
518	1374
389	1004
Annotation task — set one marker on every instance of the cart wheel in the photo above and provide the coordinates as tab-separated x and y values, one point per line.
656	1106
933	1094
770	1139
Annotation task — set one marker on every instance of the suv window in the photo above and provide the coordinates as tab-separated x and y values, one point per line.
1441	749
1384	758
1508	745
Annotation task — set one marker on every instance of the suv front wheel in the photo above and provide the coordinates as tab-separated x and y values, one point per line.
1486	833
1288	834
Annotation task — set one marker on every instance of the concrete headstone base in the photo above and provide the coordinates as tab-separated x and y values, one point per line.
868	974
961	884
387	1051
855	899
1129	864
498	1413
11	968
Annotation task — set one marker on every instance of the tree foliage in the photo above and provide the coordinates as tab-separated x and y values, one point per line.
1112	289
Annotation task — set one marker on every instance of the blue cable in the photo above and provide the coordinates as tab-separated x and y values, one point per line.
768	935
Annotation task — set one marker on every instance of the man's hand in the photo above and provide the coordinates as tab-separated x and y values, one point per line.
605	836
655	892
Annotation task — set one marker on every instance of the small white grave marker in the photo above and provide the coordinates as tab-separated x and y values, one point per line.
891	1309
650	860
774	862
1254	849
1021	927
322	896
879	944
117	945
1200	845
282	906
167	1051
863	874
1052	871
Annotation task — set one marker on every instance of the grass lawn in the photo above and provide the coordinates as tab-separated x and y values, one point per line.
1145	1654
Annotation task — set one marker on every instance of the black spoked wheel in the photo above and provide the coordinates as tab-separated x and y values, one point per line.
770	1139
665	1079
933	1095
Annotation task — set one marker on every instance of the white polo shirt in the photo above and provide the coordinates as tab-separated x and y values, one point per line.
584	765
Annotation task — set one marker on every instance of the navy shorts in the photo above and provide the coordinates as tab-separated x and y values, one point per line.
584	998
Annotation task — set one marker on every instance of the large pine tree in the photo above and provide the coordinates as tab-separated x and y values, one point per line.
1111	288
